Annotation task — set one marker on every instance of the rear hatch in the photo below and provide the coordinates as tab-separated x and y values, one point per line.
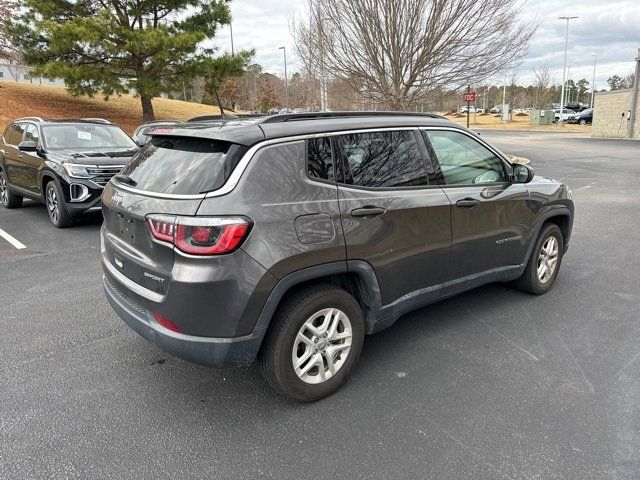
167	178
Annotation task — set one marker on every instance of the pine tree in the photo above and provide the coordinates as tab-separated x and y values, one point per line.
148	46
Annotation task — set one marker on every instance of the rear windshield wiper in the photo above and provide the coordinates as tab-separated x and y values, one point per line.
125	179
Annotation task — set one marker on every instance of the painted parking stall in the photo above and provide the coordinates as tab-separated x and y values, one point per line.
13	241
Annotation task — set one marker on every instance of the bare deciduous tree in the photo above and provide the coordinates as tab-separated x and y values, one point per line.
629	80
542	87
398	51
269	92
198	85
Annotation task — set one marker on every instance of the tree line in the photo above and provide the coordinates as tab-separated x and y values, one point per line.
365	54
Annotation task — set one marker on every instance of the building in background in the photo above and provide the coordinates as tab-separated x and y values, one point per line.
615	113
21	74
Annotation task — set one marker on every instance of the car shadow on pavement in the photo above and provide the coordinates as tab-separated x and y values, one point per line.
37	210
386	356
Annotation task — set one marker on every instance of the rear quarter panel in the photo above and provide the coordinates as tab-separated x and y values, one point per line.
296	219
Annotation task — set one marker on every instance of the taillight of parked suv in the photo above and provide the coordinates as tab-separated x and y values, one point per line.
200	235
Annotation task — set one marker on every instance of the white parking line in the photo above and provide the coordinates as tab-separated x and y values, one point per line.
12	240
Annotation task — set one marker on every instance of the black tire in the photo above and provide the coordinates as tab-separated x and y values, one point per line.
58	213
7	197
529	281
275	359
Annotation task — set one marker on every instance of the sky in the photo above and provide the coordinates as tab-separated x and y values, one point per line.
608	29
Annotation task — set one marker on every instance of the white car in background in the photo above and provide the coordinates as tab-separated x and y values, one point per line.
566	114
472	109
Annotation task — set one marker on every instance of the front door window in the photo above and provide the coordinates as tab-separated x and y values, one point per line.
463	160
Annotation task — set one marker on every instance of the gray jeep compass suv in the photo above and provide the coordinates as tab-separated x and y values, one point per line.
286	239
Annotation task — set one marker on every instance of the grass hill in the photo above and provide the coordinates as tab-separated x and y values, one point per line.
26	99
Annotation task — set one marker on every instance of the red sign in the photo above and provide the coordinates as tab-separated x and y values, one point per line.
470	97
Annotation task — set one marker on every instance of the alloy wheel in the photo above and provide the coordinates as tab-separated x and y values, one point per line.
3	190
548	259
322	346
52	204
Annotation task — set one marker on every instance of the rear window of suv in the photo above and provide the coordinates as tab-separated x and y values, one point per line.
183	166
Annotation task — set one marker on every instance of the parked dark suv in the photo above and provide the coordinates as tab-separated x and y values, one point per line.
289	238
63	163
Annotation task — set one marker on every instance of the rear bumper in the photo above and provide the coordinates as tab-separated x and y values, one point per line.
212	352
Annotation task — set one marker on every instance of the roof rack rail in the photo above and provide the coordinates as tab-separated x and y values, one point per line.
289	117
227	116
207	118
35	119
163	121
97	120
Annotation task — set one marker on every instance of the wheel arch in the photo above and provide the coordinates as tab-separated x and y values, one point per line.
356	277
563	221
47	176
561	216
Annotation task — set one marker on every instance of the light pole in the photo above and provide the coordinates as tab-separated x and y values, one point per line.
324	99
564	68
230	30
286	78
505	117
593	82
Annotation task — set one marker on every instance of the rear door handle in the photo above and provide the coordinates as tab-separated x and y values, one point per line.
467	203
368	211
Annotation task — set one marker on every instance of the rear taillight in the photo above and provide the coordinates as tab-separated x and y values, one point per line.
162	227
200	235
166	323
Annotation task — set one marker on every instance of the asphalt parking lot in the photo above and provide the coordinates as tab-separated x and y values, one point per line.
491	384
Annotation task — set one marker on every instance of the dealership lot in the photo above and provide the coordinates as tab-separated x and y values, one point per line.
490	384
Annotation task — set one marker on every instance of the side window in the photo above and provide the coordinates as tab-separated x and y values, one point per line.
15	133
320	161
31	134
463	160
383	159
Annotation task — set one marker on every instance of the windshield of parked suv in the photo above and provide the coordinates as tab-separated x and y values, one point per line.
85	137
183	166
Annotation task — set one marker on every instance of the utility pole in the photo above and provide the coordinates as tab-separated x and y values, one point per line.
468	105
564	68
593	82
286	78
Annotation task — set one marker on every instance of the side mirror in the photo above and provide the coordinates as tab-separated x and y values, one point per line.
28	146
522	173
